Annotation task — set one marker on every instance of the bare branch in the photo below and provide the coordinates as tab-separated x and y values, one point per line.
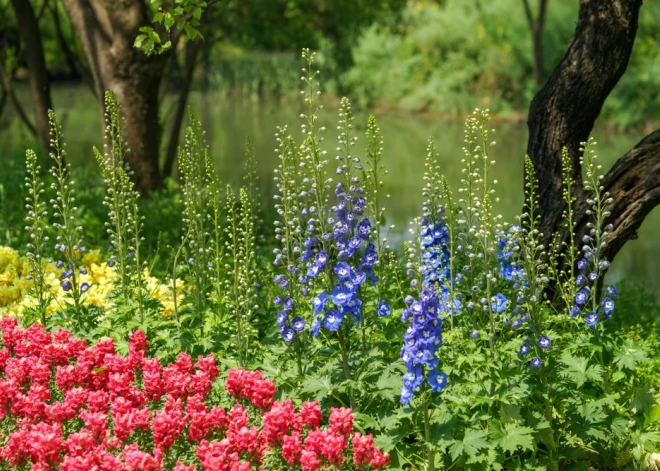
9	90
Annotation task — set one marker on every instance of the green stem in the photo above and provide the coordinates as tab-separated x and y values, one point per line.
427	433
301	371
554	466
344	362
344	355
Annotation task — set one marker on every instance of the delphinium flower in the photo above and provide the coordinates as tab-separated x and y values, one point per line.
291	204
69	240
372	173
533	280
251	185
591	268
302	204
125	223
430	267
422	340
434	257
483	242
240	284
350	262
326	250
434	242
508	246
193	163
37	212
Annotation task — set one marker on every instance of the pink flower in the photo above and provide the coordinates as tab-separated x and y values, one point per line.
179	466
127	419
152	372
137	460
277	421
341	420
251	386
310	415
79	443
363	449
137	343
96	422
41	443
380	460
178	375
168	424
309	461
216	455
291	448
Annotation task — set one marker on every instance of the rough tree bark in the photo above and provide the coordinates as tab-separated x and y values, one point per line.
107	30
536	28
564	111
34	57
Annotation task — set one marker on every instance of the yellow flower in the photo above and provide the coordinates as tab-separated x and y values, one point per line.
92	257
15	287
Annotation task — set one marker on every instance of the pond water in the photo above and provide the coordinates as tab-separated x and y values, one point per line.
229	121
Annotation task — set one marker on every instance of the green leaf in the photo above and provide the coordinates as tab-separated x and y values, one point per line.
642	400
366	421
154	36
169	21
578	370
620	427
388	385
387	441
512	436
654	414
509	412
319	387
139	40
629	356
473	441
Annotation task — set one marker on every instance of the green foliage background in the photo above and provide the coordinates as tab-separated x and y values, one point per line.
454	55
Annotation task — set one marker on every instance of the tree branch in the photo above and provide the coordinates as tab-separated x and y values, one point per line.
42	10
564	111
3	99
192	50
542	11
6	82
634	184
528	14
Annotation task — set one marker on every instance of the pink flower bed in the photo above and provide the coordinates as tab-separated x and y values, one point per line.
74	407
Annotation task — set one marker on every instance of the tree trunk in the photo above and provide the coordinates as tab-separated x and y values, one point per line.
190	61
107	30
539	71
536	28
564	111
34	57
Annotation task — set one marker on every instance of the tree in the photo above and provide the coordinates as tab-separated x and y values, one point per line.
536	28
36	62
107	30
564	111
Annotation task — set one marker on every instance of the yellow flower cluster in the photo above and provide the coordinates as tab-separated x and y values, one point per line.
15	287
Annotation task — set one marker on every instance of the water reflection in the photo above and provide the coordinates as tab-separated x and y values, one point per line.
229	121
